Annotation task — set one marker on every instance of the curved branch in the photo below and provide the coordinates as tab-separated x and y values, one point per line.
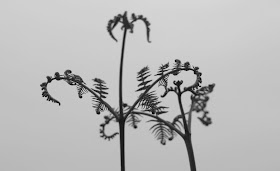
90	90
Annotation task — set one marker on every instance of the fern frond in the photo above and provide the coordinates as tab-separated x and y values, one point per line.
149	102
133	120
81	91
146	22
161	71
161	131
143	74
200	98
76	80
112	24
108	119
45	92
100	88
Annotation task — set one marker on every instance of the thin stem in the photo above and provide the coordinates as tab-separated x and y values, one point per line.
190	118
189	147
121	75
122	149
121	118
179	94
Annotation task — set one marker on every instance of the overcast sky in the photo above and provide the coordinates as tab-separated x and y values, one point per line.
234	43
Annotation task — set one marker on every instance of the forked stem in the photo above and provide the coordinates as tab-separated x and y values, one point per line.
187	137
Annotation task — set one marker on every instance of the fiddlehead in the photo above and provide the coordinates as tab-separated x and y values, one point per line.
70	78
45	92
108	119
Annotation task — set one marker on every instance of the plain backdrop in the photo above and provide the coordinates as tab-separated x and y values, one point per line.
236	44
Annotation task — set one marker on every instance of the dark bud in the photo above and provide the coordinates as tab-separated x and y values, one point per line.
43	85
49	79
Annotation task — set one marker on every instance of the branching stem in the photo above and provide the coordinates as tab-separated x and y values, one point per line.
179	94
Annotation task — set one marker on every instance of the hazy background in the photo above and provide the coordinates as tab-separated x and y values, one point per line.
235	44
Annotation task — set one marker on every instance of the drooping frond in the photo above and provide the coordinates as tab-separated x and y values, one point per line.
142	76
146	22
112	24
133	120
100	88
108	119
45	92
161	131
70	78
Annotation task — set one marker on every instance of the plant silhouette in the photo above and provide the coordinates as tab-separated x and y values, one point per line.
147	103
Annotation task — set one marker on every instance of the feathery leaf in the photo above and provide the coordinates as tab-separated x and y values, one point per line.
100	89
142	76
161	131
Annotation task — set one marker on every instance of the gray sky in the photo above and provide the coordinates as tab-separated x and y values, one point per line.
235	44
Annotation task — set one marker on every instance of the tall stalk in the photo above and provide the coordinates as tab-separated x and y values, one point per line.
189	147
121	118
187	136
